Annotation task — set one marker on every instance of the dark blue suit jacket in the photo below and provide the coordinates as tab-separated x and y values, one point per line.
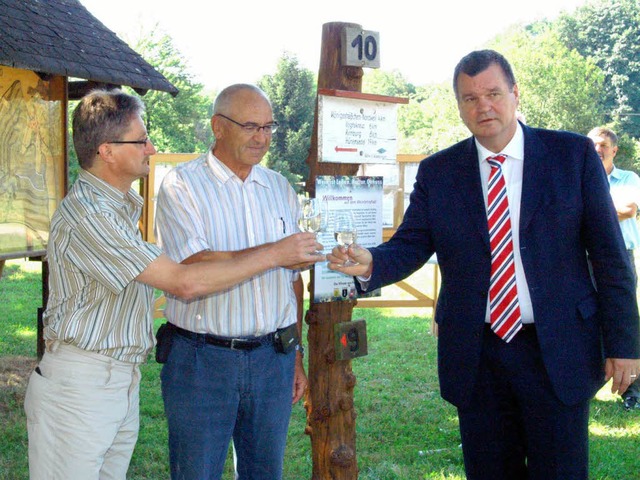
566	211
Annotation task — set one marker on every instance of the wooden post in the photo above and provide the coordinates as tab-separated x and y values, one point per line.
329	404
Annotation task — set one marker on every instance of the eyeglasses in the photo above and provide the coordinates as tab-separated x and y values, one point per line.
145	141
253	128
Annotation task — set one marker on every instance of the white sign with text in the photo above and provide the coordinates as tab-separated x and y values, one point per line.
352	130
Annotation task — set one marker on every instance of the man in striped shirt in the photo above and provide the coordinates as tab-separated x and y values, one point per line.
82	399
221	205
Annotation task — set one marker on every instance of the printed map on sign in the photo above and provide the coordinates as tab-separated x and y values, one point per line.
31	161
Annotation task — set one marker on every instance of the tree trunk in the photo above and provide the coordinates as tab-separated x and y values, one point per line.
329	404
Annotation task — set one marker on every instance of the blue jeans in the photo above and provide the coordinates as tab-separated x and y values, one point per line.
214	394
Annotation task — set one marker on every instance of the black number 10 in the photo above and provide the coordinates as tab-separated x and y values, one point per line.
368	47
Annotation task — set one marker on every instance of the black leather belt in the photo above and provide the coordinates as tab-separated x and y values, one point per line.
226	342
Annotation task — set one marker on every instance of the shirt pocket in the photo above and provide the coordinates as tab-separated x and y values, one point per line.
281	226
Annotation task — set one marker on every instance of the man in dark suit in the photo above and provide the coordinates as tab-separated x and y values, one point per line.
525	339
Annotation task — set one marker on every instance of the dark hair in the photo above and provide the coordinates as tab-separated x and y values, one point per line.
478	61
102	116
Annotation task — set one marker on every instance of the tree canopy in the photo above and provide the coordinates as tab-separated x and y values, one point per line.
574	73
292	91
608	33
180	124
559	88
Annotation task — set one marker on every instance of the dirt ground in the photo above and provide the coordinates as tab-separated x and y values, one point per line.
14	375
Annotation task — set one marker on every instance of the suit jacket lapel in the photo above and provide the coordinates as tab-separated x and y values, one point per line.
533	176
470	189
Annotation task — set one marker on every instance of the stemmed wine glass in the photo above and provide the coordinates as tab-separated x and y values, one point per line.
313	216
345	231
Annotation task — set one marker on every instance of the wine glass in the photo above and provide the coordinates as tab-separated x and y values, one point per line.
345	231
313	216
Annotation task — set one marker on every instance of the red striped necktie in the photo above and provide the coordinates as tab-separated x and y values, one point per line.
504	310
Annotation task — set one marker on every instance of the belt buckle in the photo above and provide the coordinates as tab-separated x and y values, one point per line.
238	344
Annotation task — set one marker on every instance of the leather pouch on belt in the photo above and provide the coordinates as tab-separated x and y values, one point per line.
164	339
286	339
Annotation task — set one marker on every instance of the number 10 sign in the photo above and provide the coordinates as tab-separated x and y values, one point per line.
360	48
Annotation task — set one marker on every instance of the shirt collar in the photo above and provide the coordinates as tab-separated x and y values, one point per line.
224	173
615	173
514	149
109	191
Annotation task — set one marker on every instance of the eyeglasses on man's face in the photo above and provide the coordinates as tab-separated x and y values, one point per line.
253	128
145	142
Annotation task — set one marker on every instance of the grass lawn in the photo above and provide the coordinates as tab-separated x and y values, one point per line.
404	429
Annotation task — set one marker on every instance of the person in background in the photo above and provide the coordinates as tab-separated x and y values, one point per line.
524	338
82	400
625	192
228	376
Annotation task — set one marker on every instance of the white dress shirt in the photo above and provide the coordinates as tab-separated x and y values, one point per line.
512	170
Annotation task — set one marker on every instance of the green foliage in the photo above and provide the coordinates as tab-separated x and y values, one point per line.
573	73
292	91
627	158
180	124
558	87
431	121
425	124
74	166
392	84
608	33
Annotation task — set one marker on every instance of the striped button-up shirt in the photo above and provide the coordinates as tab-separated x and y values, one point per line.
202	205
95	251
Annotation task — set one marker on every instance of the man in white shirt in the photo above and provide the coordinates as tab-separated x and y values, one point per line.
224	379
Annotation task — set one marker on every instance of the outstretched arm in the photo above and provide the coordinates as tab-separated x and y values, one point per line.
215	271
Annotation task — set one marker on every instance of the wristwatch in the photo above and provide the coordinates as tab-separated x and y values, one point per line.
300	348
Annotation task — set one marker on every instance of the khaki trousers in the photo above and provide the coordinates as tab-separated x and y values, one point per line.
82	416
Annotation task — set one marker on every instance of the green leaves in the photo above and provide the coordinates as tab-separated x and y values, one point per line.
292	91
176	124
559	89
608	33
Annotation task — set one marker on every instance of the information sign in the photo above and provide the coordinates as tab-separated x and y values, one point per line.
357	130
363	197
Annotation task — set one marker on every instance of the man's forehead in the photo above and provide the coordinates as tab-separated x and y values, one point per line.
252	107
490	79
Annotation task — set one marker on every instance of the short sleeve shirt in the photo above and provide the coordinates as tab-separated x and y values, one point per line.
202	205
95	252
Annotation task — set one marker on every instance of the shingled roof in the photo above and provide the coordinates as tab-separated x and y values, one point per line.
61	37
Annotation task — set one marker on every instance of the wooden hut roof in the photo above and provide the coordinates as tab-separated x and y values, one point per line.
61	37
